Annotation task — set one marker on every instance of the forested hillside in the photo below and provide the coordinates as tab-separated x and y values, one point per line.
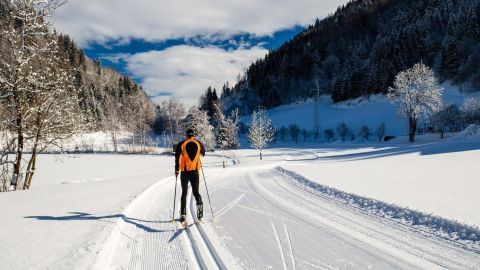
99	91
359	50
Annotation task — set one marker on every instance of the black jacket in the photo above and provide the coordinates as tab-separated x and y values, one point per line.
191	152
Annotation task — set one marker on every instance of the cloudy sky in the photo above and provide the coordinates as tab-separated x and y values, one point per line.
178	48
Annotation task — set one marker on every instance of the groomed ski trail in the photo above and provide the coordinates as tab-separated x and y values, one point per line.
148	239
267	219
322	233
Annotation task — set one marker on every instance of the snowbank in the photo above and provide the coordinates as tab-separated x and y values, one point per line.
471	132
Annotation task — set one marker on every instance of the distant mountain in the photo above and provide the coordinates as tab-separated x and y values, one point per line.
359	50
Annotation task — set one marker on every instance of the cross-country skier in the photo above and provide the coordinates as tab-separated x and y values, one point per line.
187	161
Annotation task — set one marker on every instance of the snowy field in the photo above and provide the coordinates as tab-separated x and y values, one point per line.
338	206
355	113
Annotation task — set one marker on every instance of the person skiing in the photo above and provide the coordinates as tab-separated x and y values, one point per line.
187	161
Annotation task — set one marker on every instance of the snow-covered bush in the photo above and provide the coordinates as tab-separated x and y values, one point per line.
418	94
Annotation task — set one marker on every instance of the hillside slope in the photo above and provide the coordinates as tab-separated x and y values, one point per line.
359	50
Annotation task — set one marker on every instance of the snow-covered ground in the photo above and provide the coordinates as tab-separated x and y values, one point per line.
312	206
355	113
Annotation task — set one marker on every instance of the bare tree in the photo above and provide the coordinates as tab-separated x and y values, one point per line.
294	132
174	112
112	122
380	132
364	133
329	134
343	131
447	117
418	94
261	131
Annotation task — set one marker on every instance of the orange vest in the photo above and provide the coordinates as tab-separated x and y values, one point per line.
185	163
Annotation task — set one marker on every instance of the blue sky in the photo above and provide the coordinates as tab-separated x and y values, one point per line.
176	49
102	51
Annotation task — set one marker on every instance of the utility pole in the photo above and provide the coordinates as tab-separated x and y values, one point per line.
316	113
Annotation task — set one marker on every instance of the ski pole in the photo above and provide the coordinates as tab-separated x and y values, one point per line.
175	198
208	195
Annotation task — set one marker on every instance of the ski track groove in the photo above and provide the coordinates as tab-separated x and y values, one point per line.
290	248
202	239
279	245
229	206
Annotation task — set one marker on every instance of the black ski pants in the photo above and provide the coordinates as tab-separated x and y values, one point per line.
193	178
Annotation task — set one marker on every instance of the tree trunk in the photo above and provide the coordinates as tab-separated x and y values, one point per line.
261	157
19	155
31	169
412	123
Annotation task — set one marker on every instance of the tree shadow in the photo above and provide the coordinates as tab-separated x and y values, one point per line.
380	151
86	216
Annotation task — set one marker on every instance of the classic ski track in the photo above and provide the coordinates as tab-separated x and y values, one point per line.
229	206
200	240
400	240
146	239
279	245
290	248
286	209
270	195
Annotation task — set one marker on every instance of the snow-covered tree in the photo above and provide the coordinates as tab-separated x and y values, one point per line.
471	110
226	128
418	94
35	85
199	121
261	131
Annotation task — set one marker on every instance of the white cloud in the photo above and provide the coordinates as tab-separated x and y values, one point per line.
152	20
185	72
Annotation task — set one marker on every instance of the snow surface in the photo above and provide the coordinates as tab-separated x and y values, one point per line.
311	206
371	111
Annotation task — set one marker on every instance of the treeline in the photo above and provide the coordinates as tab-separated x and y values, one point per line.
359	50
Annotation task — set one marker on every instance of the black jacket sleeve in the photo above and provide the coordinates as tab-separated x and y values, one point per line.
178	152
202	149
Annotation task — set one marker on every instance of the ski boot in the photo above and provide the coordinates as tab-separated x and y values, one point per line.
199	211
